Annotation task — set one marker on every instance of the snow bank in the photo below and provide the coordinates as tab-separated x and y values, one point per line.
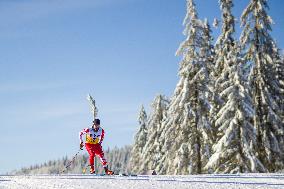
143	182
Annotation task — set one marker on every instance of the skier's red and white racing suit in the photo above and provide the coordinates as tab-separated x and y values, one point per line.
94	139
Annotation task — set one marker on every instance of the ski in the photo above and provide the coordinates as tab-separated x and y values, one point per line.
126	175
115	174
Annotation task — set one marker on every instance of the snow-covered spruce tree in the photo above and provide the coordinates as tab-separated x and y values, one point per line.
152	151
280	77
187	129
223	46
207	54
279	67
258	49
139	143
235	152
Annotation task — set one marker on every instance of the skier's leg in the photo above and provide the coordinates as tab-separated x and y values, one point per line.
100	154
91	152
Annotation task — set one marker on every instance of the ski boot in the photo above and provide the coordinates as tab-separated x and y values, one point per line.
92	170
107	171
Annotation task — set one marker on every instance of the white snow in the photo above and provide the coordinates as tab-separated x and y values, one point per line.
225	181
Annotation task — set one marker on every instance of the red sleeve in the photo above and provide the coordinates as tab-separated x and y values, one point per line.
103	136
86	130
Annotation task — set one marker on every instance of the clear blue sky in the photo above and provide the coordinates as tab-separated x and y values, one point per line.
53	53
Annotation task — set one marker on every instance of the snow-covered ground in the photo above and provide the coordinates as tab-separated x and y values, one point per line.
225	181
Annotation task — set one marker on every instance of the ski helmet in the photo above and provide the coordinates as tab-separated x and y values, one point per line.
97	122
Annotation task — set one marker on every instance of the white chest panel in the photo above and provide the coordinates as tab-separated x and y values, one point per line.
95	134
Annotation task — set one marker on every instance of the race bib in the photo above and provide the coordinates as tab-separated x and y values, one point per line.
92	140
93	137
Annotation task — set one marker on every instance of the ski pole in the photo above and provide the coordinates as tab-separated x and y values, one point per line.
70	162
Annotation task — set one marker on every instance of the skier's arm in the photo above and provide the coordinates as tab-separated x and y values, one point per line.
84	131
102	136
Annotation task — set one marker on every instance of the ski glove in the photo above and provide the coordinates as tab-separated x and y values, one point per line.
81	145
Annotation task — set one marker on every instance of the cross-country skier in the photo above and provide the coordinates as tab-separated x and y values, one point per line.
94	139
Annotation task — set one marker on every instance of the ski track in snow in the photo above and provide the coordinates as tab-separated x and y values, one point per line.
77	181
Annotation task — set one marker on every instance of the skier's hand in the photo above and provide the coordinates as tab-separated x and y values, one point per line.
81	145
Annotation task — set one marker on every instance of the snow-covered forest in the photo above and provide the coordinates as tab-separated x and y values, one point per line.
226	113
118	161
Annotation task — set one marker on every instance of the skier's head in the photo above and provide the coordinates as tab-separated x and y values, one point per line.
96	123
